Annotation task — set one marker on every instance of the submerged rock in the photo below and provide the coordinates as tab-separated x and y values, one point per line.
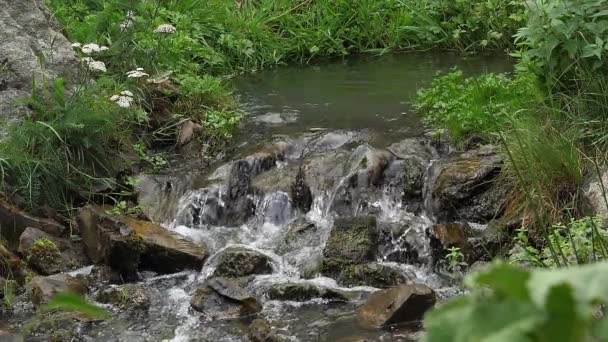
59	255
302	292
352	241
240	262
373	274
44	288
223	298
397	305
465	187
261	331
128	244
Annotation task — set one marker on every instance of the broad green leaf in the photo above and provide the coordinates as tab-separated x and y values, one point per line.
563	322
74	302
507	280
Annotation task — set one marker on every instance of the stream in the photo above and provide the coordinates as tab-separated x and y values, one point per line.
321	145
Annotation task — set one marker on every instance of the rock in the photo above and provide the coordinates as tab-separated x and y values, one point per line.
159	195
464	187
223	298
373	274
11	266
65	256
6	336
300	192
129	296
29	31
186	132
445	236
240	262
398	305
44	288
302	292
352	241
364	174
300	233
128	244
593	193
261	331
14	221
413	148
230	289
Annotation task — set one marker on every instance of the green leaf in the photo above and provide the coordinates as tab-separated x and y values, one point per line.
506	280
73	302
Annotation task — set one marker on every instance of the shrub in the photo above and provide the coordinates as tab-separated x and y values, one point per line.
580	241
508	303
564	40
479	105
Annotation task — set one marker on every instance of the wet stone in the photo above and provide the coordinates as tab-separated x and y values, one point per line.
302	292
240	262
373	274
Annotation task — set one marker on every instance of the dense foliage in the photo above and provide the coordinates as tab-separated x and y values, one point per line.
480	105
509	303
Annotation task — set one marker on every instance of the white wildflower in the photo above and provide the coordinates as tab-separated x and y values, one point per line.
90	48
137	73
165	29
104	48
114	98
76	45
125	25
124	101
93	65
126	93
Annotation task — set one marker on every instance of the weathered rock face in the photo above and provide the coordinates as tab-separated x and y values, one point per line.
44	288
351	242
593	193
129	296
465	187
373	274
302	292
224	298
300	192
401	304
240	262
29	31
128	245
70	255
14	221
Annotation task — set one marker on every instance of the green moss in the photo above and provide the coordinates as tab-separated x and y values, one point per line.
44	256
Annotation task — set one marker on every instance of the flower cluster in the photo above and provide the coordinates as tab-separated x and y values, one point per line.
165	29
124	100
93	65
90	48
137	73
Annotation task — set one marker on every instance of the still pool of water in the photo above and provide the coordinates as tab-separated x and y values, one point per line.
371	93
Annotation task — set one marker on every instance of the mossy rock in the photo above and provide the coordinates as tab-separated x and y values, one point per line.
44	256
373	274
352	241
240	262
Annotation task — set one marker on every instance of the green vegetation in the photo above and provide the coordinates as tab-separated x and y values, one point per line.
509	303
480	106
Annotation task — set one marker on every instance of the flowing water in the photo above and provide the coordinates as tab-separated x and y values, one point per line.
334	122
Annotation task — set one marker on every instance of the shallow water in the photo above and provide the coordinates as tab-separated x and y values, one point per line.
371	93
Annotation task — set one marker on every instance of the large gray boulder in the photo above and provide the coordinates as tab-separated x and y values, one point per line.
30	36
